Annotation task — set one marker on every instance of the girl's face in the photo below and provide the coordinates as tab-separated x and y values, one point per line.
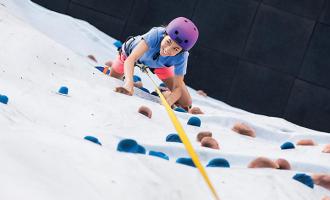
169	47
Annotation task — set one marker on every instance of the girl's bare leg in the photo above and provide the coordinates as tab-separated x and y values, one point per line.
116	75
185	100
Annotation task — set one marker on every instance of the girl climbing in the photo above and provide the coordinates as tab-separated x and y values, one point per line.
165	51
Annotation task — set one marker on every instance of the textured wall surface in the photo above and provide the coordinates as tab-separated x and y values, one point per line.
269	57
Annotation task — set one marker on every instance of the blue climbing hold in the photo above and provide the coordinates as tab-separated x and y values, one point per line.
93	139
144	89
141	150
128	145
304	179
186	161
173	138
155	93
287	145
118	44
3	99
136	78
179	109
194	121
158	154
63	90
218	162
162	85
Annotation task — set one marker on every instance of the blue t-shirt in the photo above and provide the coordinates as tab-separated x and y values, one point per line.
151	58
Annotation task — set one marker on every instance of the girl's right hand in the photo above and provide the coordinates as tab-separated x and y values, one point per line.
124	90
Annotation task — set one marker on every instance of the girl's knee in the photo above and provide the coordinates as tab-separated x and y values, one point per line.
115	74
118	65
185	100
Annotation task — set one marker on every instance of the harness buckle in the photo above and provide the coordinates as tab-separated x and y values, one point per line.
142	67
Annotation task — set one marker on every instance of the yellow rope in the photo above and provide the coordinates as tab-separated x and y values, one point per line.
182	135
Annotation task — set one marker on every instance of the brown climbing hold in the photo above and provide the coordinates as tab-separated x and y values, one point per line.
210	143
92	58
203	134
202	93
144	110
306	142
262	162
322	180
283	164
244	129
138	84
196	111
326	198
326	148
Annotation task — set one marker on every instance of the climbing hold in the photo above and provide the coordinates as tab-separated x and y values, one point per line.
326	149
118	44
128	145
3	99
209	142
186	161
144	89
136	78
218	162
144	110
196	111
137	81
287	145
243	129
63	90
326	198
154	93
173	138
283	164
164	89
158	154
179	109
321	179
93	139
162	85
306	142
202	134
141	149
202	93
304	179
262	162
92	57
194	121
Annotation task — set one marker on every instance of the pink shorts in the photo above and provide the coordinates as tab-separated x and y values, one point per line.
162	73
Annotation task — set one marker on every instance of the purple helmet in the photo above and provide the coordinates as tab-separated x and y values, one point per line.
183	31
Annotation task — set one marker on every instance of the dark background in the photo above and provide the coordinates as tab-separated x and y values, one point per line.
269	57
